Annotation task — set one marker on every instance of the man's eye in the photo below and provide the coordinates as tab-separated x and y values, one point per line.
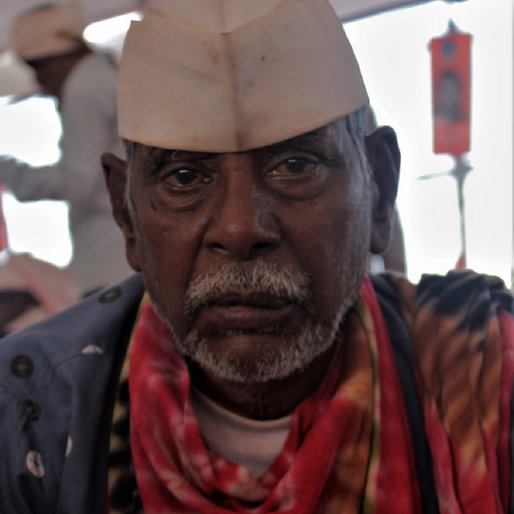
298	177
295	166
183	177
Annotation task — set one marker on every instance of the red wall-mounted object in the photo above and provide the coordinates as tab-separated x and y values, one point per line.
451	91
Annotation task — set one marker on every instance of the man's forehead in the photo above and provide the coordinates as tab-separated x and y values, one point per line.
320	137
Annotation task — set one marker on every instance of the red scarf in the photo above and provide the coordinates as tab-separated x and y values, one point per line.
348	450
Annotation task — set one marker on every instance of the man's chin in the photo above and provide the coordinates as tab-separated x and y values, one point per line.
257	358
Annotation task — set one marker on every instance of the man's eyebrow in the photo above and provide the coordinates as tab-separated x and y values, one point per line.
157	157
163	154
314	137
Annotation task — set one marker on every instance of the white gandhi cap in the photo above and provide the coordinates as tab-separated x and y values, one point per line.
233	75
48	30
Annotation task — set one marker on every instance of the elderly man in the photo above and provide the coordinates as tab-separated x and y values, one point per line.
251	365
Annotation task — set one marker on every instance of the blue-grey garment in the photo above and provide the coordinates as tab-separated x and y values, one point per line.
57	384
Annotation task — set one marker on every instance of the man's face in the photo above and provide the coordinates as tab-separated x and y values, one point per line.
252	257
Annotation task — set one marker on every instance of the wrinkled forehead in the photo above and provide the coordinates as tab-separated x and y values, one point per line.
331	138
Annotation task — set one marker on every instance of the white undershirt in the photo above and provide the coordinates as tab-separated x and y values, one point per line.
251	443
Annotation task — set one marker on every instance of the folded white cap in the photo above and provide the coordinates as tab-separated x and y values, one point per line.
47	30
232	75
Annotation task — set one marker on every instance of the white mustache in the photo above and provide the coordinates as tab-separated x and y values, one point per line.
253	277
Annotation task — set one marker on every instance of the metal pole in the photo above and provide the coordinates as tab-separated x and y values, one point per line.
460	173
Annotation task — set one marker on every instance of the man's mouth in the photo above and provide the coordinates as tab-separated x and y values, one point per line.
245	312
255	300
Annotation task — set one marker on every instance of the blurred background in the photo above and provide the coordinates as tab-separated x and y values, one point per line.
392	46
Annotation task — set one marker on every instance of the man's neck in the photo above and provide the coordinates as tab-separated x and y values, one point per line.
270	400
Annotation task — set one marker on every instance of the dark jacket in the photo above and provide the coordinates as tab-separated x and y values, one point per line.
57	384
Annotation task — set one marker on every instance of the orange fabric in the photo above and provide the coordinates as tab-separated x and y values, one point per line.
463	343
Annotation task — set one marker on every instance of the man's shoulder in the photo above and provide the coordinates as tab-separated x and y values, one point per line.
447	293
56	377
92	326
438	306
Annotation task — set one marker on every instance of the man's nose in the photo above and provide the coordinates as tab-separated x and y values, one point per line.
243	223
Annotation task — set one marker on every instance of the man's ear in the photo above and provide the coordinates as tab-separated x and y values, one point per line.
116	176
384	157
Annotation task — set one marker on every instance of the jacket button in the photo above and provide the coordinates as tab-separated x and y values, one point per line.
22	366
31	409
110	295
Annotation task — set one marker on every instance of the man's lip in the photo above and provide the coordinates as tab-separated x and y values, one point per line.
245	312
253	300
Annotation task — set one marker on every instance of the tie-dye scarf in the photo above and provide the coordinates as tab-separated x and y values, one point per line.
462	329
350	447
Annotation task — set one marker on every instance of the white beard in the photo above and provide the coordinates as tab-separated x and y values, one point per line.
296	349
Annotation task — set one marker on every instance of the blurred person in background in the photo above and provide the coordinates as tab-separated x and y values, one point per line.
49	39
